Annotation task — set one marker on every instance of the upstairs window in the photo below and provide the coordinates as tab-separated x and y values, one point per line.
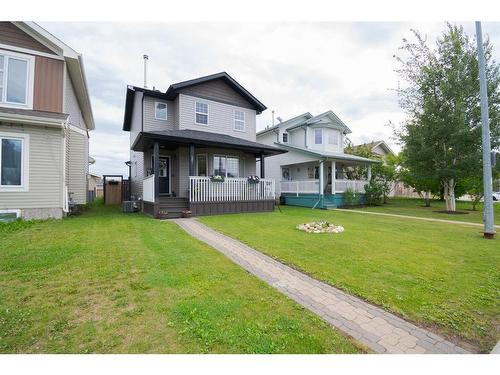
285	137
318	136
14	80
160	111
333	138
239	120
201	113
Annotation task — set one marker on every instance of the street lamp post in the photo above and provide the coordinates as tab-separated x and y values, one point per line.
489	229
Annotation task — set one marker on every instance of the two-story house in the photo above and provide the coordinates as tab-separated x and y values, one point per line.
45	117
315	146
193	148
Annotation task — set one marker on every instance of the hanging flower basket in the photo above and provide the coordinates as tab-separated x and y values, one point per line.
217	178
253	179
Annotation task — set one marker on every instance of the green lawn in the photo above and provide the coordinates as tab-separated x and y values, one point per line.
108	282
442	276
415	207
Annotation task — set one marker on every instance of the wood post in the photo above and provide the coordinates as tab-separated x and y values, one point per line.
333	176
191	160
262	166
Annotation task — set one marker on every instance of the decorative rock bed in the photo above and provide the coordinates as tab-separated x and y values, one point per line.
320	227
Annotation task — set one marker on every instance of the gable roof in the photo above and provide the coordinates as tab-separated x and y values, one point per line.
305	116
371	145
174	89
326	119
74	63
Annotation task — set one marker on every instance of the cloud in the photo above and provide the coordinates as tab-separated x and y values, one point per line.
291	67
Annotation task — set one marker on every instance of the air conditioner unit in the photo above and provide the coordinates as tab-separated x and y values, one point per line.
130	206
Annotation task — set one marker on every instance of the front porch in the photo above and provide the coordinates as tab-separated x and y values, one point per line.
312	184
180	175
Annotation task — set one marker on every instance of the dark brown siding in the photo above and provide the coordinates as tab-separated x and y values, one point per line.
222	208
218	91
48	88
12	35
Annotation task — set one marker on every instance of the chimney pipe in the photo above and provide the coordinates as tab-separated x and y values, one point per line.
273	116
145	57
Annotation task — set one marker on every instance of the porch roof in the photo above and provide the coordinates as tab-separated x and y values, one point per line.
330	155
186	137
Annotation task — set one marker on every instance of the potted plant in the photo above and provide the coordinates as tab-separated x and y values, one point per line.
217	178
253	179
185	213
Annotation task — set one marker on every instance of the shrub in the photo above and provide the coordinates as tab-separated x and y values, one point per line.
374	192
350	197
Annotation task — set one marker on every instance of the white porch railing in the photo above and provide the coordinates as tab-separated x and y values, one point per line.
357	186
311	186
148	188
202	189
300	186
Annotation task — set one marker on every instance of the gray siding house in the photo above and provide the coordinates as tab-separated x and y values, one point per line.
315	172
45	119
193	148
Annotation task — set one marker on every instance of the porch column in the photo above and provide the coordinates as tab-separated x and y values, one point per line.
333	177
262	166
191	160
156	171
321	179
369	175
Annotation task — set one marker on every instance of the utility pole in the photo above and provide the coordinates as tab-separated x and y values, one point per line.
489	229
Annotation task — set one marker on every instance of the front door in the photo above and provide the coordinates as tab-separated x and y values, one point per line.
164	175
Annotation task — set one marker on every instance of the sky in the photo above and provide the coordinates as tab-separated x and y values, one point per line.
292	68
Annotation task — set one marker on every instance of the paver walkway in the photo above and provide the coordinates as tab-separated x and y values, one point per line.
379	330
415	217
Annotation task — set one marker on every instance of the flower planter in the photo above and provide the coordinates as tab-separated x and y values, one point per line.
320	227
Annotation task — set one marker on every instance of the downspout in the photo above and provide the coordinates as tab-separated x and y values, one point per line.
65	204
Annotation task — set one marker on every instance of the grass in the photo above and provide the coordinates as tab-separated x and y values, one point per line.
415	207
441	276
107	282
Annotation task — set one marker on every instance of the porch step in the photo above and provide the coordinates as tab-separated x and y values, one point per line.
171	208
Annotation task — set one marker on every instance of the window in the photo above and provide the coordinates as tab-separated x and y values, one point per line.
160	111
285	137
333	137
15	84
201	113
239	120
201	165
227	166
318	136
13	163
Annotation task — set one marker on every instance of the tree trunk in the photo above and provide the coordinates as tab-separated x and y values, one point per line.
449	195
427	198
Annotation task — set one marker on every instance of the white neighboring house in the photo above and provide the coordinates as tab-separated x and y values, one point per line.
45	119
315	146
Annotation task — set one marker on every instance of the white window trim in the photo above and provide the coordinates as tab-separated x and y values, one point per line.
25	166
226	156
30	79
166	111
201	113
314	136
206	161
244	121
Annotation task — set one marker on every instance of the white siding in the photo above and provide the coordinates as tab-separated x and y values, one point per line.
45	169
71	106
220	118
136	158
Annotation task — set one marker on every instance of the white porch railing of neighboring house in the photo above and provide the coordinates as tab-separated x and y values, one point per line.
202	189
357	186
300	186
311	186
148	188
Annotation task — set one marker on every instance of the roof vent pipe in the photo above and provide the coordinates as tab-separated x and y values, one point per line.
273	116
145	57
